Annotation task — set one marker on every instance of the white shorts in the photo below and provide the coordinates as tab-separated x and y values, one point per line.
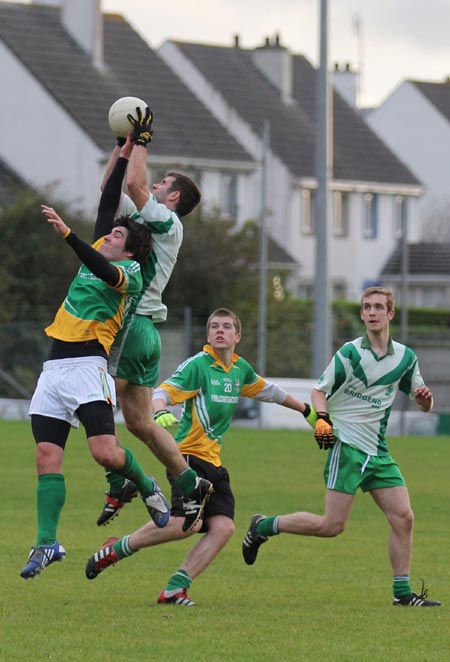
65	384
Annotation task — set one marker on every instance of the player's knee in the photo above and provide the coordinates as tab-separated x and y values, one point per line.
228	528
48	458
136	428
407	520
223	529
333	529
107	455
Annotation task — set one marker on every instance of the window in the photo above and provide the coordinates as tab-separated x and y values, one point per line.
341	213
229	195
370	217
400	215
308	212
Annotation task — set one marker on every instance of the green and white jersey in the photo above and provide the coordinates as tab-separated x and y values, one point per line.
167	236
361	388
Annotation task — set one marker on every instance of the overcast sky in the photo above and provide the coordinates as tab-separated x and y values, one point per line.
399	39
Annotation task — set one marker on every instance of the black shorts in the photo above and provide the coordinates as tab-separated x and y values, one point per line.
221	502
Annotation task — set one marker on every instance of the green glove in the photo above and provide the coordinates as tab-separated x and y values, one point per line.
310	415
142	126
165	418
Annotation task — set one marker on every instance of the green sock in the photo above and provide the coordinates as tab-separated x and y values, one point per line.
268	526
115	482
135	472
51	495
401	586
180	579
122	547
186	481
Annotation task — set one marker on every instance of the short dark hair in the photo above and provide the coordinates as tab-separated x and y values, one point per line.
139	238
224	312
190	194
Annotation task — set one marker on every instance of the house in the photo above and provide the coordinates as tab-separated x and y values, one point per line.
414	120
61	68
428	274
372	191
210	104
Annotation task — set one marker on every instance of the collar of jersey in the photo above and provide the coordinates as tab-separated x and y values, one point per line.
365	344
217	360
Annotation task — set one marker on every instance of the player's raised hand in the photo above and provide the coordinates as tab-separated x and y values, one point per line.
127	146
142	126
52	217
323	431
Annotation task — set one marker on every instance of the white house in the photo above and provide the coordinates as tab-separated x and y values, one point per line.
210	104
414	121
371	189
62	64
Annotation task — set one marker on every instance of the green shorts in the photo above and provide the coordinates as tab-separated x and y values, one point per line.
348	468
136	352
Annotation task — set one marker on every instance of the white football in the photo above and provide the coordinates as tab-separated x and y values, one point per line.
117	116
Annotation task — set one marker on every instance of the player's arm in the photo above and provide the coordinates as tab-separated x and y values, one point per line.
137	172
94	261
137	183
112	162
161	414
266	391
112	190
175	390
319	400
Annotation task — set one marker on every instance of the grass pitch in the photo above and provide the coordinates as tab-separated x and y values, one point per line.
304	599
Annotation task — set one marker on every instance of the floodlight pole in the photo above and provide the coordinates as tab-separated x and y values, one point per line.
263	251
404	299
321	331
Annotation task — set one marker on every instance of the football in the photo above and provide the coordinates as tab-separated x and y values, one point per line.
117	116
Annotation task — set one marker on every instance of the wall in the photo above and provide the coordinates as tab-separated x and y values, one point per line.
420	136
41	160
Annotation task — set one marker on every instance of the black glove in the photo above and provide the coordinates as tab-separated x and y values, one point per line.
142	126
323	432
121	141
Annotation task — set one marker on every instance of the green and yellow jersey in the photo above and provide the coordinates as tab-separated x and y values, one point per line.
93	310
210	392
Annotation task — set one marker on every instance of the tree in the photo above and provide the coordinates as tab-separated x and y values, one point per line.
217	266
35	272
436	222
36	266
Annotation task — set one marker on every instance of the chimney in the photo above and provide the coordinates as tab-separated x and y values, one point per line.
345	81
83	20
275	62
